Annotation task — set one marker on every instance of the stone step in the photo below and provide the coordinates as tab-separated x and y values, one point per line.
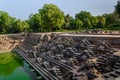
117	71
103	55
106	75
101	63
116	67
113	74
118	64
101	60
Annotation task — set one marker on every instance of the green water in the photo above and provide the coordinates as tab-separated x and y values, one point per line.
11	67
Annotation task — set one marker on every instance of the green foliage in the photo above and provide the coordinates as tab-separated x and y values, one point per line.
6	22
78	24
35	22
94	22
52	16
117	7
114	26
68	20
86	18
110	18
101	22
19	26
72	24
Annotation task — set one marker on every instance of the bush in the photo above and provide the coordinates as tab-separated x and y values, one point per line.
115	26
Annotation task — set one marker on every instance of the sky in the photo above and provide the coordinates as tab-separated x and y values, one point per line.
21	9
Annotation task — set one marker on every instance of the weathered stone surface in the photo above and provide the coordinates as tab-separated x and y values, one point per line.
69	58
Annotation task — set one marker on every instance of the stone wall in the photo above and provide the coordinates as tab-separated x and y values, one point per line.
67	57
8	42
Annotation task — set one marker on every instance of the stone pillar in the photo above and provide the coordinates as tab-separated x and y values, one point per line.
35	54
35	48
35	51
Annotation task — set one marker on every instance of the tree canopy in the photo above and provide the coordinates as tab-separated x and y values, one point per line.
117	7
35	23
51	18
6	22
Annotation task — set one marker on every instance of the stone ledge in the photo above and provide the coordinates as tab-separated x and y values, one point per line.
1	51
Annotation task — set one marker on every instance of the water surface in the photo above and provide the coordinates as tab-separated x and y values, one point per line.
12	67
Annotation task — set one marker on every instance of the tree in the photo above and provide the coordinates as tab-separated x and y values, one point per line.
86	18
87	24
110	18
35	22
78	24
6	22
52	16
117	11
25	25
68	18
117	7
72	24
94	22
101	22
19	26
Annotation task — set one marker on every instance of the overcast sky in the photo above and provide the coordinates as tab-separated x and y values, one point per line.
21	9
